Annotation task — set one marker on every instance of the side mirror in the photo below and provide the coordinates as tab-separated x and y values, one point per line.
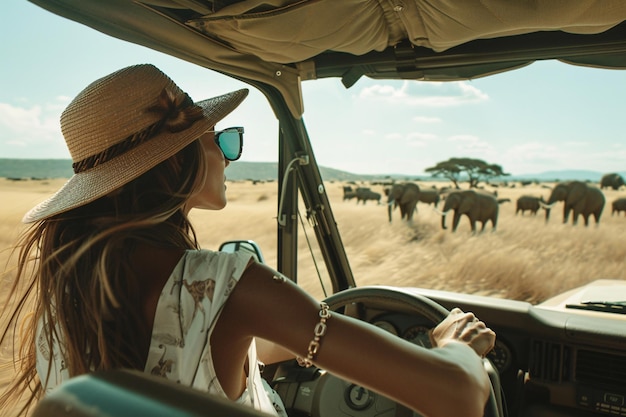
248	246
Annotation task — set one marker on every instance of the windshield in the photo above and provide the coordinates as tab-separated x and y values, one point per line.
544	123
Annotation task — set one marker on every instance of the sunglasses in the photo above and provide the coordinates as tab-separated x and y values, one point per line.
230	142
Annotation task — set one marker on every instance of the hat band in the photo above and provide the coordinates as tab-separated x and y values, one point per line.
177	114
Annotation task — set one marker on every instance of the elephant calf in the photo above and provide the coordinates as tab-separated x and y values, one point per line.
363	194
530	203
619	205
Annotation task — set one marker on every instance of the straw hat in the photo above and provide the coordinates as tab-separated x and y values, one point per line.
124	124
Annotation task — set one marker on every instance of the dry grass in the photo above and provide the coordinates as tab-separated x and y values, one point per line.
525	259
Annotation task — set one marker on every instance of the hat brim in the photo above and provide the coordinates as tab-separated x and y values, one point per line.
85	187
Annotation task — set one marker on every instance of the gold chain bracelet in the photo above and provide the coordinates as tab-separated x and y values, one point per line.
318	332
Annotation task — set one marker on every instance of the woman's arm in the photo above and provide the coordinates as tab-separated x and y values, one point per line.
270	352
444	381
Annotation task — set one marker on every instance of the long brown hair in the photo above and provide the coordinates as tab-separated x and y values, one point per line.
75	276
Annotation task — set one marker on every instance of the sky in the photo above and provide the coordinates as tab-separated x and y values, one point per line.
547	116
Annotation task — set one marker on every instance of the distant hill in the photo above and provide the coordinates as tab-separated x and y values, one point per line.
267	171
237	171
567	175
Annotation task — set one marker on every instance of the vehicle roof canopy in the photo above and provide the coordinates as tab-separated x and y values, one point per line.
284	42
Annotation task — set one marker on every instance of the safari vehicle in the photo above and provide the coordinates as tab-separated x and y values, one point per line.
563	357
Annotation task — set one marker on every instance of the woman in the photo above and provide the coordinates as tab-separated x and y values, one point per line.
120	281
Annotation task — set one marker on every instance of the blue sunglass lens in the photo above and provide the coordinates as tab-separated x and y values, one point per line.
230	143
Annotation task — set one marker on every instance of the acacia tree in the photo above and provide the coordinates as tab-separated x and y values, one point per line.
476	170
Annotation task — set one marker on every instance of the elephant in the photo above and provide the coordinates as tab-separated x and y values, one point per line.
405	195
530	203
578	196
612	180
476	205
348	193
619	205
429	197
363	194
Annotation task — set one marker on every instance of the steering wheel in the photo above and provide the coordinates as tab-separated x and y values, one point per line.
332	392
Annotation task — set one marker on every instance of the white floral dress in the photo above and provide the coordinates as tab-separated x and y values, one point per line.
187	310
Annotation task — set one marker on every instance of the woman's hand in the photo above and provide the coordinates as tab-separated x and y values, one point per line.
465	328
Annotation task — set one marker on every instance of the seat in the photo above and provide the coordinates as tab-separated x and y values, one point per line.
131	393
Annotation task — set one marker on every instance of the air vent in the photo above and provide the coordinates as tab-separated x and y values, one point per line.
595	367
550	361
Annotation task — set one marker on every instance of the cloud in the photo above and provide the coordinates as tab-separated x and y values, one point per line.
412	139
435	94
468	141
31	121
426	119
394	136
420	139
59	104
32	129
532	157
535	157
537	153
577	144
15	143
473	147
422	136
533	149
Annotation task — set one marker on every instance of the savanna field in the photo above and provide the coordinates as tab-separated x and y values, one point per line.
525	259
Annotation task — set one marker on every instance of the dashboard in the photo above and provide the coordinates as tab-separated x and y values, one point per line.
550	360
416	329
